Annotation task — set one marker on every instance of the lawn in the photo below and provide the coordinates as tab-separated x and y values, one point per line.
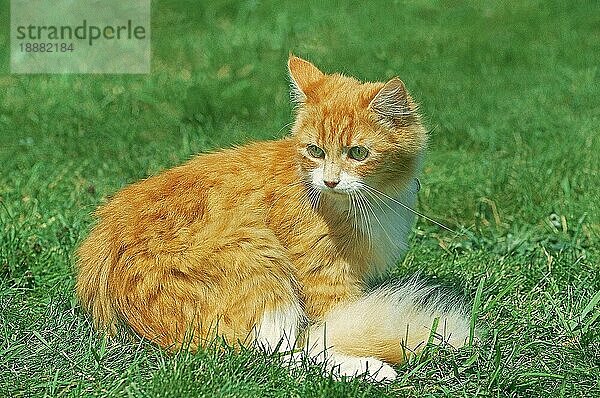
510	93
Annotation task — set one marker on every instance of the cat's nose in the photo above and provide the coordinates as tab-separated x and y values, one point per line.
331	184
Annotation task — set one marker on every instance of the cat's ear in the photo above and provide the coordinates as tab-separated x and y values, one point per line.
391	102
303	76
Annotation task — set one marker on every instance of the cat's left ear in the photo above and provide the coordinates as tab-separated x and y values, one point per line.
303	76
391	102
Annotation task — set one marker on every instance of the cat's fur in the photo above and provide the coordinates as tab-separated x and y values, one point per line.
266	242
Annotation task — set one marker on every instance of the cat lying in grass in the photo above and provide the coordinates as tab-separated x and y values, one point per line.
270	244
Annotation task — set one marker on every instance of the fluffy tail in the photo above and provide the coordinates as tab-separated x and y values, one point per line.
93	269
392	323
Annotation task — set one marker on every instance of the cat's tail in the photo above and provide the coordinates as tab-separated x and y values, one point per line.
392	323
93	270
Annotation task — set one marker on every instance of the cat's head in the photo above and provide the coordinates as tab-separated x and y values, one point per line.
349	133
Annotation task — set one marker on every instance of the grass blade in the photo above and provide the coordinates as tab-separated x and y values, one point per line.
475	311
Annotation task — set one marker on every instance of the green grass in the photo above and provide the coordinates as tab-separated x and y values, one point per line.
511	96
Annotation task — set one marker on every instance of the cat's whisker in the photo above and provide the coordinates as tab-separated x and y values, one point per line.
370	206
359	217
376	196
319	195
379	200
365	219
355	216
349	207
314	195
369	223
367	208
415	212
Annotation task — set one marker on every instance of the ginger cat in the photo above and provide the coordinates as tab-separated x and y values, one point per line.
271	243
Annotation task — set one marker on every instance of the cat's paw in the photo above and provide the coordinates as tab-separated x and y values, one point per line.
349	366
344	366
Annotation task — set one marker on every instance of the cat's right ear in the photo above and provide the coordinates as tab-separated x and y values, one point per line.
391	102
303	76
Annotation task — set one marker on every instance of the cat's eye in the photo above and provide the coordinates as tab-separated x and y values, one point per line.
315	151
359	153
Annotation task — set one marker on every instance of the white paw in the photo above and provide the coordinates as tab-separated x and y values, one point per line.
341	365
349	366
385	373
